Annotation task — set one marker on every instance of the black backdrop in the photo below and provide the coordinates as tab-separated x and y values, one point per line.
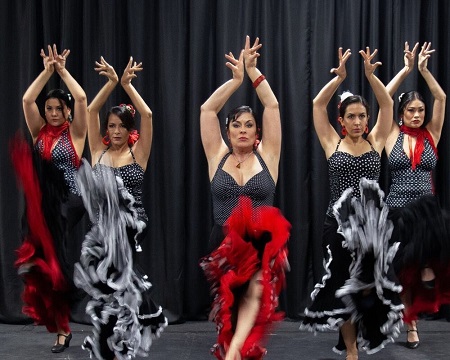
182	45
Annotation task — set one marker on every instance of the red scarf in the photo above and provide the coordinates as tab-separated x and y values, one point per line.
49	135
420	134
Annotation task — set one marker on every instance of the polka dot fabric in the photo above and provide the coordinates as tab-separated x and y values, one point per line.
133	178
346	170
408	184
64	158
226	192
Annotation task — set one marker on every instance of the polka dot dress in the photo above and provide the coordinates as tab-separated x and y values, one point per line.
64	158
226	192
133	178
345	171
408	184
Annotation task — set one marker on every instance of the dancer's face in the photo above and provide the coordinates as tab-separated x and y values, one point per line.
414	114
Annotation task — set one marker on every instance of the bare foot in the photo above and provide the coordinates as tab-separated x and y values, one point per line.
233	353
427	274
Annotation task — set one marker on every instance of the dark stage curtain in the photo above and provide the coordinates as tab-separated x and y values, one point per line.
182	45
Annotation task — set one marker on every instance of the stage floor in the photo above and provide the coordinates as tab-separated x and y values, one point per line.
192	340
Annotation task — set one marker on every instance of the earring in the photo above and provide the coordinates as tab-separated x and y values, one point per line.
70	118
400	122
366	130
106	140
344	131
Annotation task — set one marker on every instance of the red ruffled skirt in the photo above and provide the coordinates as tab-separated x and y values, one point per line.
45	291
256	240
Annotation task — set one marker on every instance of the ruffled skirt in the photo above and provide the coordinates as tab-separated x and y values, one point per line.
41	259
359	282
423	230
256	240
125	318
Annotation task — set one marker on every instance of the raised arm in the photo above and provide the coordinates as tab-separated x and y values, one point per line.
78	127
398	79
270	146
380	131
437	120
326	133
142	147
94	132
211	136
30	109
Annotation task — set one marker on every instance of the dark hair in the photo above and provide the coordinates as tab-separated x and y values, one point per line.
352	100
124	115
236	112
63	98
405	99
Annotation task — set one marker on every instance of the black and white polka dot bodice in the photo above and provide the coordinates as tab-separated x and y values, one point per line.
408	184
65	158
226	191
132	176
345	171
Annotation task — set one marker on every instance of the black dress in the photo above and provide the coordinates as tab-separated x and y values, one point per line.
125	318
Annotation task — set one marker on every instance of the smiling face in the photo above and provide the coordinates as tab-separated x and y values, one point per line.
116	131
56	112
242	131
355	119
414	114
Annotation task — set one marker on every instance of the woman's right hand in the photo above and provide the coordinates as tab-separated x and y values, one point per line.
409	56
236	65
48	60
103	68
341	71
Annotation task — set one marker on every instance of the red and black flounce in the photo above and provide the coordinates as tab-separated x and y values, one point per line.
256	239
45	288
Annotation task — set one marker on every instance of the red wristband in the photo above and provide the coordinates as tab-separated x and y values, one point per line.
258	81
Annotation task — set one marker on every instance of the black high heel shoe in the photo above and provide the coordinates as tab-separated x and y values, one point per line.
412	344
61	347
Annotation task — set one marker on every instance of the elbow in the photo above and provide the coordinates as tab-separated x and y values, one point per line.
27	100
273	105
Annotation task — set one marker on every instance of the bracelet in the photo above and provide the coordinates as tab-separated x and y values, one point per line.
258	81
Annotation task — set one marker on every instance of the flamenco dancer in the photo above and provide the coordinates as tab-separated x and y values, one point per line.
246	269
53	202
357	295
421	225
125	318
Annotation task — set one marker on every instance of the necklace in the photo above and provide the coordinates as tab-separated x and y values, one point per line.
240	162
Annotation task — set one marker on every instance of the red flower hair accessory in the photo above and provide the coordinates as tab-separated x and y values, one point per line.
128	107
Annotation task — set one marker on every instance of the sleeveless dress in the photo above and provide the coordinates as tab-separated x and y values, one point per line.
251	235
422	227
125	318
357	284
53	208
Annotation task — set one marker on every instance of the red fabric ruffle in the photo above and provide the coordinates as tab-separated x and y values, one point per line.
424	300
45	286
235	262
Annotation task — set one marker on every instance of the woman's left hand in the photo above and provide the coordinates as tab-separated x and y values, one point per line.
424	55
60	59
251	54
129	72
369	68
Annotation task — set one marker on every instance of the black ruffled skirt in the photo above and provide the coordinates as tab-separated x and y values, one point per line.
125	318
423	230
358	284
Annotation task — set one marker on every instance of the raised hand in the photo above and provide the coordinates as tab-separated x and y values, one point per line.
369	68
236	65
48	60
409	56
341	71
129	72
424	55
60	59
251	53
103	68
